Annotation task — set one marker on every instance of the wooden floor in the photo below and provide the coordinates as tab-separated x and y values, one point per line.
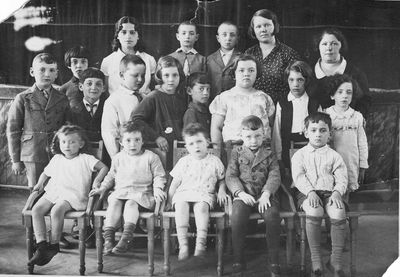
377	249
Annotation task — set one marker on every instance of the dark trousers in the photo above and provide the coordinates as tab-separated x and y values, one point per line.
240	220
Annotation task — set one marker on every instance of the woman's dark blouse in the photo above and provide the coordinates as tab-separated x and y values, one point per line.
318	90
273	67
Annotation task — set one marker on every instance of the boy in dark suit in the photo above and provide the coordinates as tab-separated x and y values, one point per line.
34	117
220	62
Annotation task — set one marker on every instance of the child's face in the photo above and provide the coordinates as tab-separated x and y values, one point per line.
70	144
245	74
128	36
263	28
45	74
170	79
252	139
343	95
78	65
187	36
296	83
200	93
132	143
329	48
196	145
92	89
227	36
317	133
133	77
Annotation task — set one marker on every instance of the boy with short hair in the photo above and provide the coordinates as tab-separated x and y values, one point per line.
119	106
77	60
88	112
187	56
320	174
198	87
34	117
219	63
253	178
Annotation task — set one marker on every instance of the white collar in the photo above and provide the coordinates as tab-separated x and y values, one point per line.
309	148
228	53
291	97
94	104
319	73
124	90
192	51
122	54
347	114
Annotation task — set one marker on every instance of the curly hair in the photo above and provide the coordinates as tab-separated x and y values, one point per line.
118	27
338	35
67	130
301	67
335	81
193	129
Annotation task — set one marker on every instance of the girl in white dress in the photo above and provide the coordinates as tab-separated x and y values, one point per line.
348	133
196	178
69	176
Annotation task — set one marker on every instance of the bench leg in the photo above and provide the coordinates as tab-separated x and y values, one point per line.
82	225
220	242
29	246
353	222
166	227
150	244
98	225
289	240
303	246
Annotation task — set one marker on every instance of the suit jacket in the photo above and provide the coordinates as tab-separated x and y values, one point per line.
32	122
197	62
81	117
221	79
251	173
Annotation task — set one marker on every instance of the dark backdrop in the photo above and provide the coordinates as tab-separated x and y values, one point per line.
371	27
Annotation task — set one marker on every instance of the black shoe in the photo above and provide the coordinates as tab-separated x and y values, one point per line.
44	254
41	247
64	243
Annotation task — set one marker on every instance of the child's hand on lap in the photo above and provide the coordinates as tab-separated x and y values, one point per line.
313	199
162	143
264	202
247	198
222	197
18	168
336	198
96	191
159	194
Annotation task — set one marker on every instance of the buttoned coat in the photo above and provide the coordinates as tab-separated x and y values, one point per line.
32	123
221	78
252	173
197	62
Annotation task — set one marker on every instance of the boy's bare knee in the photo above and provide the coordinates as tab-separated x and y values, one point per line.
201	207
335	213
311	211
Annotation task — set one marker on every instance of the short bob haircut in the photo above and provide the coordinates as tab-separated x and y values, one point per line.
165	62
193	129
245	57
127	59
91	72
316	117
118	27
301	67
189	23
251	122
132	127
335	81
197	78
335	32
77	51
68	130
44	58
266	14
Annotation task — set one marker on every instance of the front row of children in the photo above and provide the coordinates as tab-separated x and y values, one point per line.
252	177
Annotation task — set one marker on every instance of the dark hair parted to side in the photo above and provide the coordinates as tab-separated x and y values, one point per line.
187	22
165	62
67	130
331	31
335	81
131	127
77	51
45	58
118	27
127	59
251	122
266	14
197	78
193	129
301	67
91	72
316	117
245	57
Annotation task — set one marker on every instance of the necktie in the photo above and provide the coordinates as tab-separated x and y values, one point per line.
91	108
186	65
224	58
45	94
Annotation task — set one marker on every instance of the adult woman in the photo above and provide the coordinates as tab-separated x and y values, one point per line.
272	55
127	40
331	45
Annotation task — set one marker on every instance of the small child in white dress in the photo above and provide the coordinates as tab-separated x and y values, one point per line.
138	178
348	133
196	178
70	173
